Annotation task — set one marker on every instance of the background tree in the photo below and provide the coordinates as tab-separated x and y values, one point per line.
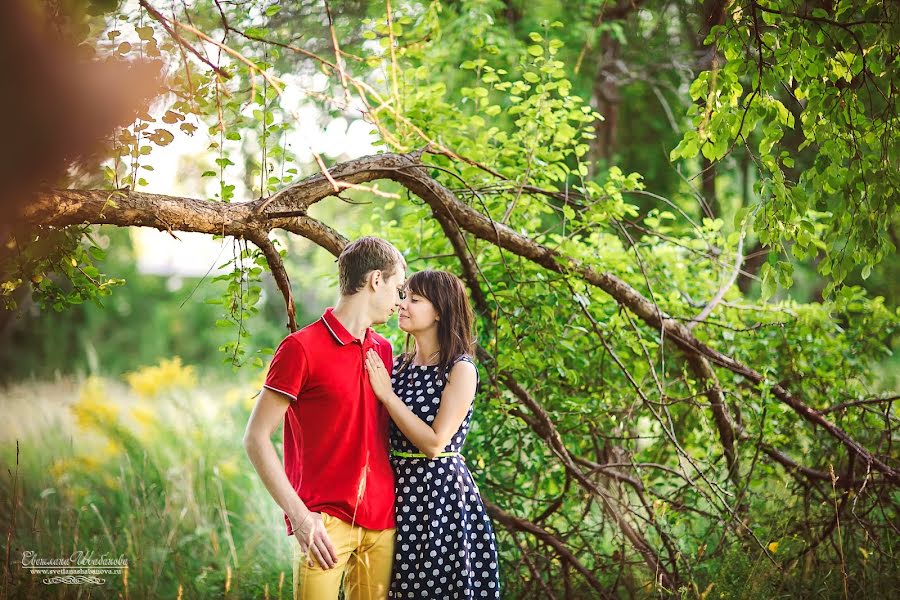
646	426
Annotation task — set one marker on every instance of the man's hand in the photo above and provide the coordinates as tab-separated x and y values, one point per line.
313	539
378	376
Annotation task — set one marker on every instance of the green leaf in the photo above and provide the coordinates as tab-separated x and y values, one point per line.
769	285
256	32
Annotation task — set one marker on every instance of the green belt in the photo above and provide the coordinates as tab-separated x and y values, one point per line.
420	455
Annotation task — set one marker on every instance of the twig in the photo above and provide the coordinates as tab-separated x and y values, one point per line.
181	41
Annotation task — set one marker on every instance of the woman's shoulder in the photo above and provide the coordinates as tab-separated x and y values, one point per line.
463	358
463	362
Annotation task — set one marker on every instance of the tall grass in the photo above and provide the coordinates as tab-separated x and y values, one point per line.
152	469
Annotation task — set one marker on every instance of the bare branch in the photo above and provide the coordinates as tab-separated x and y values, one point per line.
518	524
276	265
182	43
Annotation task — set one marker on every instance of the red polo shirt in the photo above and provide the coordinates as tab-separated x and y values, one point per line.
335	429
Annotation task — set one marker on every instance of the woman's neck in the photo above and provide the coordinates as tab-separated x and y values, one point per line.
427	350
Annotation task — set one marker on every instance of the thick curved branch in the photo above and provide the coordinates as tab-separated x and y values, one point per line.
134	208
724	423
466	261
414	177
315	231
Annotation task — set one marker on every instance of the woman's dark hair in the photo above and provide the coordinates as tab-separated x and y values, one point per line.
455	327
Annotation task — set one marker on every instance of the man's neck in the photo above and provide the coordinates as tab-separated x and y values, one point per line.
351	313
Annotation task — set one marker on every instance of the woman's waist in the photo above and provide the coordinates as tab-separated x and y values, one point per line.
406	453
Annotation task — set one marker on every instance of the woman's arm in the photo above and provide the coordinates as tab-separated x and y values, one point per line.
455	402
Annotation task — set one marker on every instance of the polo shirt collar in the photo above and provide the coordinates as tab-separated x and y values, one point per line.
339	332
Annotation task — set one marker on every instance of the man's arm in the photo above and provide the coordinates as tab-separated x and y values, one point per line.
306	525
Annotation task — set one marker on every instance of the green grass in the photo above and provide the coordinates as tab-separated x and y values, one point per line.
151	467
156	473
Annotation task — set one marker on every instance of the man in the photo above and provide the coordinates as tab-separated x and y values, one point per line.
336	487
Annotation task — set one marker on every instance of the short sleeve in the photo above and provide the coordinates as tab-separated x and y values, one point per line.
289	368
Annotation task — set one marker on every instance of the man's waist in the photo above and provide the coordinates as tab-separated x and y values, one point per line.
362	515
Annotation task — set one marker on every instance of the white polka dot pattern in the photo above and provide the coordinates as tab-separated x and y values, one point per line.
445	547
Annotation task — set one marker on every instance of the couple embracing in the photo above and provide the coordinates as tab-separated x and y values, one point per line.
373	486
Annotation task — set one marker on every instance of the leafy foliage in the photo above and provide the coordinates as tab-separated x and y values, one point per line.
830	75
634	437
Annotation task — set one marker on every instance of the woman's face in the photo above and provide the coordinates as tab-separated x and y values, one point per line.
417	313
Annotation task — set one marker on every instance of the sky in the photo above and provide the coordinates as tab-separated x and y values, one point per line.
195	254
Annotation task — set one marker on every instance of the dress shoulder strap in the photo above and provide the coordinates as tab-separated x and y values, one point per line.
468	359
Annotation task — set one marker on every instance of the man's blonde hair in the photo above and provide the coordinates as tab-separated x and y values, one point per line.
363	256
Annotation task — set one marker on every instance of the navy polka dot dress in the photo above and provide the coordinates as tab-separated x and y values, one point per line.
445	546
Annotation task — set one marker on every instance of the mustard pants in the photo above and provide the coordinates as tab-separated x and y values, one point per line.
364	561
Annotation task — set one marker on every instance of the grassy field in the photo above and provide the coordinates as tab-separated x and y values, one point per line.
151	468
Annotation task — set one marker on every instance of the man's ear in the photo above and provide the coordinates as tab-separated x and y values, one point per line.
375	279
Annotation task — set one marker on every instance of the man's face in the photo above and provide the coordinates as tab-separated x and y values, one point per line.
387	295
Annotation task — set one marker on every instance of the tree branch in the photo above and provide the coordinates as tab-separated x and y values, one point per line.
518	524
68	207
543	426
276	265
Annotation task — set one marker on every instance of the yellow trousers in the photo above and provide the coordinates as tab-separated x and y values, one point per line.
364	561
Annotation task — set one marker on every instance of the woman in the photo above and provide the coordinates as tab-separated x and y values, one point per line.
445	544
